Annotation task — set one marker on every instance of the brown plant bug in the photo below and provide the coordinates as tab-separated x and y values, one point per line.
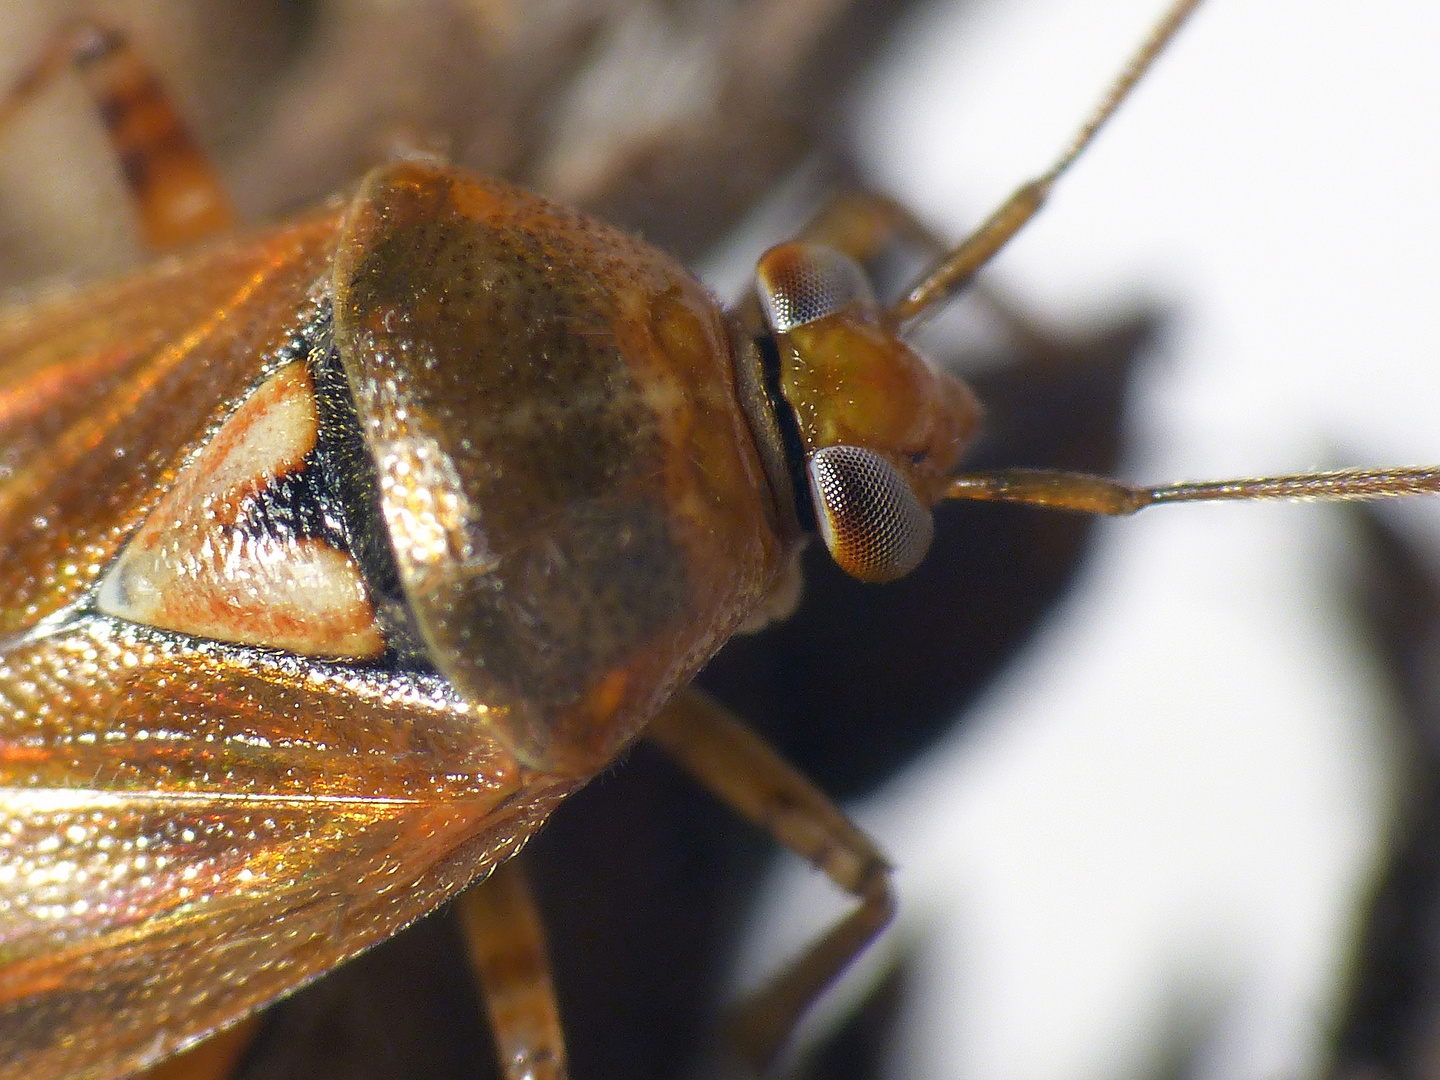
426	601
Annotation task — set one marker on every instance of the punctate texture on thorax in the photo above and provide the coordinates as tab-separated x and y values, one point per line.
578	511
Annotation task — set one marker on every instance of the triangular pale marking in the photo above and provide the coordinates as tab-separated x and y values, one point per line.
193	567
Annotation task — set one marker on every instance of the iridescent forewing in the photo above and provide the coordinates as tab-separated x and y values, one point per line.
189	828
103	392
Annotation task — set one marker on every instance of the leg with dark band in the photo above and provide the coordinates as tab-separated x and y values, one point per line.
507	948
177	192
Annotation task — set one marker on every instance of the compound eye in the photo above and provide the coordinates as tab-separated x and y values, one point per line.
868	516
800	283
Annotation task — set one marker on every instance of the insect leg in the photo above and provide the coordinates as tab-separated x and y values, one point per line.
177	191
507	949
734	763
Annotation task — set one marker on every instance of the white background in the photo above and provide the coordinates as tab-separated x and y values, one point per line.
1167	809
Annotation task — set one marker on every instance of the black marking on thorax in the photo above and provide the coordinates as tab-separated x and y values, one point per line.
334	497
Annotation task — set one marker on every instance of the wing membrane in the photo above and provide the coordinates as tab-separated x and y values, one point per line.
188	830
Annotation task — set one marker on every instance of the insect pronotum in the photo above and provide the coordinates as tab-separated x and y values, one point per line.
438	584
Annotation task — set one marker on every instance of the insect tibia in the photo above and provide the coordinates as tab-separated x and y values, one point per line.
1098	495
177	192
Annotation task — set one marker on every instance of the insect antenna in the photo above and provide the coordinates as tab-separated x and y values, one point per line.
1099	495
955	270
1082	492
